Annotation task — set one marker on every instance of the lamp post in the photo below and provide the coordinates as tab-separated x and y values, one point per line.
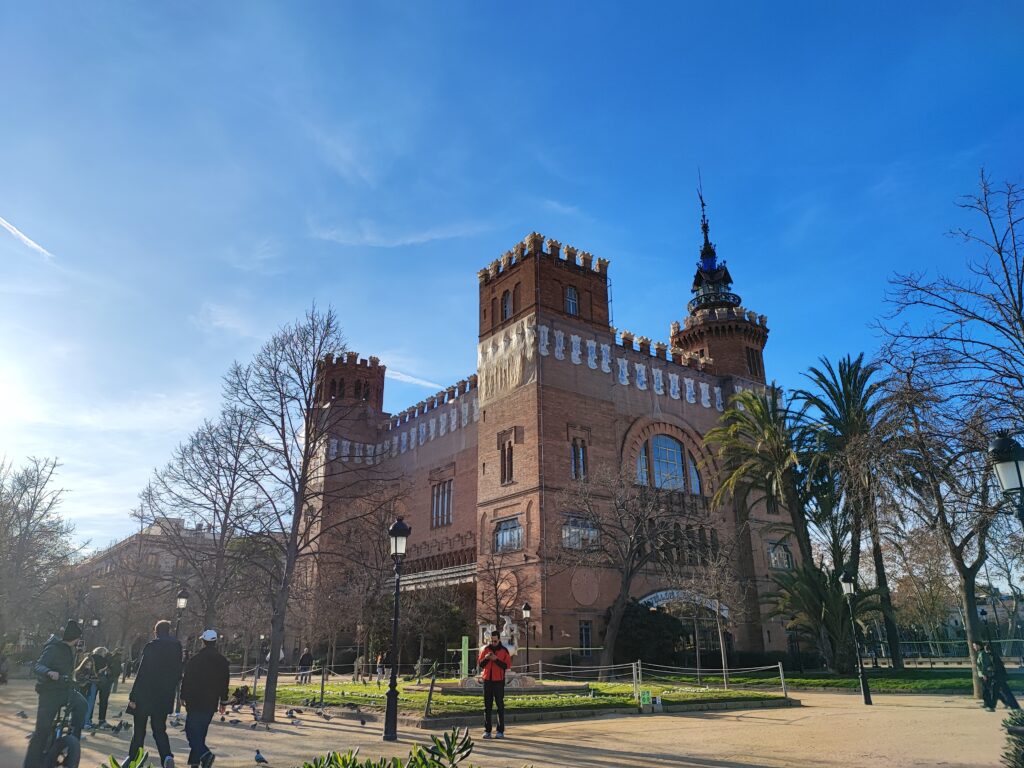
984	619
399	533
1007	459
181	603
848	589
526	619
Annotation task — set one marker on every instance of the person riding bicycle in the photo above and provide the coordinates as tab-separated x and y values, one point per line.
55	685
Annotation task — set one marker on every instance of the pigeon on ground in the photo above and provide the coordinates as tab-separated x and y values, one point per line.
290	713
260	759
234	722
362	721
327	717
21	713
254	726
119	714
297	711
117	728
296	722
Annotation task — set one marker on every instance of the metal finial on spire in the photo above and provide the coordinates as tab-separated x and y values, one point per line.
703	213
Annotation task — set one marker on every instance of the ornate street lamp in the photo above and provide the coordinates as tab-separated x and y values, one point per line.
526	620
1007	459
399	533
848	589
181	603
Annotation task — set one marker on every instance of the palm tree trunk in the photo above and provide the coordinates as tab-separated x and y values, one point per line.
799	519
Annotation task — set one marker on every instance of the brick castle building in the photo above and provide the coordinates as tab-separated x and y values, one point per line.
558	390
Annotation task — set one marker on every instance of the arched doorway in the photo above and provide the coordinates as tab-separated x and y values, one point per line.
705	625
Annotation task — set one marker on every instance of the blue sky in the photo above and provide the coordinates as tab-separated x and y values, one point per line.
178	180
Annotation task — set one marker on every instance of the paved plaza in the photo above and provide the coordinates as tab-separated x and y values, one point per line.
831	729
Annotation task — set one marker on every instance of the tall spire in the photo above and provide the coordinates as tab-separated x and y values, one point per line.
708	257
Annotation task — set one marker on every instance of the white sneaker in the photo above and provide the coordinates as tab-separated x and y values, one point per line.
169	761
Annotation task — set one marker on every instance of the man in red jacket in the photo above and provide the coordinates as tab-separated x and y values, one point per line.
494	660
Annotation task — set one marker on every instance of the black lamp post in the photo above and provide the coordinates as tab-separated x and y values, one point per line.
399	533
526	620
984	618
181	603
848	589
1007	459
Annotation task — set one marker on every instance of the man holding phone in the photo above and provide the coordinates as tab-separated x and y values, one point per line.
494	660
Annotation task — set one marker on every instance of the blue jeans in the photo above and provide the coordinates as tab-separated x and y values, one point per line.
50	703
90	702
197	724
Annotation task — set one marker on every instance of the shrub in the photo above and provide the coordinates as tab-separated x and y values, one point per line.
1013	755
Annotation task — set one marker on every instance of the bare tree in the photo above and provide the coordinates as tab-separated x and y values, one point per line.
614	523
201	502
965	336
503	584
279	389
34	540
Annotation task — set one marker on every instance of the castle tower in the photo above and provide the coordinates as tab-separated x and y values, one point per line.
717	326
351	382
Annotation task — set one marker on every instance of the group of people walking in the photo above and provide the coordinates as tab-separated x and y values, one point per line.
161	669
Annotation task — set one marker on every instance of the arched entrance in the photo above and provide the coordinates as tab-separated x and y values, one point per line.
705	624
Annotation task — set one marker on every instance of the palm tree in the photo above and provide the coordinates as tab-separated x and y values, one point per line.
757	442
851	429
813	597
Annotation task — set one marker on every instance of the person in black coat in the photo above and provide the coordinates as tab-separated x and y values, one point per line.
152	695
204	689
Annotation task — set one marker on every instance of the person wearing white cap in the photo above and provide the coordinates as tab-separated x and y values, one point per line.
204	691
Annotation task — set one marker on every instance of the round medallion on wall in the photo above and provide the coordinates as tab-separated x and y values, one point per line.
585	588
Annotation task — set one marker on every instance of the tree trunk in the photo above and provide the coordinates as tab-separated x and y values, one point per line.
856	533
882	584
968	580
721	644
276	644
799	520
611	634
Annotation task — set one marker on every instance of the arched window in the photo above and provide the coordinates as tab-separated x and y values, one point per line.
506	305
572	301
660	463
359	390
663	462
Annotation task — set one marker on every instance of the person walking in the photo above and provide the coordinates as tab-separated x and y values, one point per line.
1000	682
305	665
204	691
151	698
983	659
55	684
116	666
87	675
380	667
104	684
494	660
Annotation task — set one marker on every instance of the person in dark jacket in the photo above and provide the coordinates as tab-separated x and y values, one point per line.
116	668
204	690
105	678
305	665
54	672
494	660
1000	684
152	696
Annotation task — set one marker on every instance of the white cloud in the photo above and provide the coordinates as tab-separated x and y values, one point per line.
368	233
391	373
562	208
345	154
219	317
261	258
25	239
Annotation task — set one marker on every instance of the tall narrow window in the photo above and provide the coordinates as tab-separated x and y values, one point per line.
642	474
695	486
441	504
334	389
506	305
586	637
779	556
572	301
341	388
506	461
359	390
579	458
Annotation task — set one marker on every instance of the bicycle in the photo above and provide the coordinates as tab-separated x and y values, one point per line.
63	749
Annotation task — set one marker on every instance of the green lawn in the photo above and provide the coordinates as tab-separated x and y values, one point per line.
605	695
881	680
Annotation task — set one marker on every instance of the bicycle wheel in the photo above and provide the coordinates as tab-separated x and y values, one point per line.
65	753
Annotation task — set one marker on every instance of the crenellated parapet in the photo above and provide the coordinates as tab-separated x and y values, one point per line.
535	245
349	379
